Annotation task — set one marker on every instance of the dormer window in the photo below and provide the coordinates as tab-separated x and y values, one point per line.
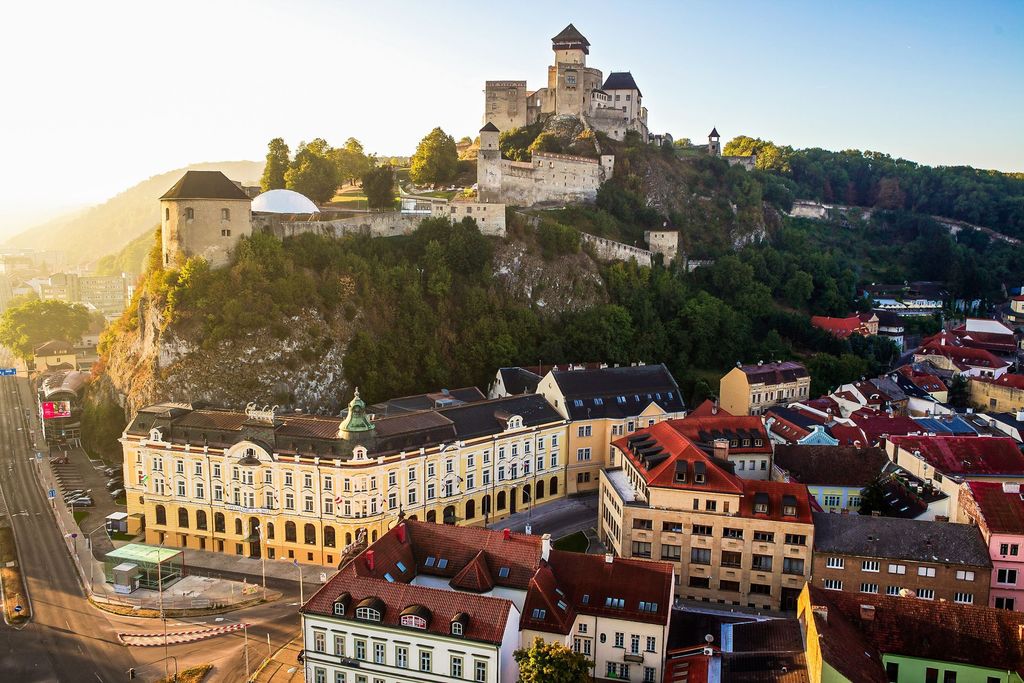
761	503
414	621
155	435
539	613
339	609
367	614
789	506
457	629
699	472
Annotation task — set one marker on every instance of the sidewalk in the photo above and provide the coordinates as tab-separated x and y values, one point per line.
206	563
283	666
558	518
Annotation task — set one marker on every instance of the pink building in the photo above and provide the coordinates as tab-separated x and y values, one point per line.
998	510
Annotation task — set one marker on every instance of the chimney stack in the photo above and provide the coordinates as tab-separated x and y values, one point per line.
370	559
608	557
400	530
545	547
507	534
721	449
867	612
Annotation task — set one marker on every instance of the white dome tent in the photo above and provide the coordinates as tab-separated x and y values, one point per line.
283	201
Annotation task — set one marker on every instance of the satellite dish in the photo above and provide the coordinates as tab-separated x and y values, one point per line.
709	639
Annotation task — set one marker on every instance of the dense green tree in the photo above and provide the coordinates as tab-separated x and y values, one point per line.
277	165
545	662
958	394
26	326
313	172
769	155
379	187
352	161
436	159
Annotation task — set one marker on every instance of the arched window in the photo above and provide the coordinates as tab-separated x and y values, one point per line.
526	493
339	609
485	505
218	522
238	527
289	532
501	500
270	530
201	520
456	628
309	534
470	509
554	486
329	536
161	515
540	490
449	515
432	516
373	536
367	614
348	538
414	621
183	518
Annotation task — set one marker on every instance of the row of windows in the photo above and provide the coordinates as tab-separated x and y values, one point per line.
874	566
729	586
458	667
761	563
190	214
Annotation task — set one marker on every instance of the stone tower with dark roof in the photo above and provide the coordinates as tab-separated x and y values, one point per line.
203	215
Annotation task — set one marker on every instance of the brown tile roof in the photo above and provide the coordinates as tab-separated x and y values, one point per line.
912	627
758	667
831	465
704	429
774	373
205	185
769	635
475	577
1003	510
966	455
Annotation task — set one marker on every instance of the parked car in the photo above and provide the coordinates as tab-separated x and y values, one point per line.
116	493
59	460
115	484
74	493
83	502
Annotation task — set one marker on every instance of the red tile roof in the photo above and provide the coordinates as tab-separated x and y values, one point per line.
670	452
966	455
474	559
922	380
848	435
949	345
708	407
1003	511
931	630
1009	379
686	665
839	327
877	426
705	429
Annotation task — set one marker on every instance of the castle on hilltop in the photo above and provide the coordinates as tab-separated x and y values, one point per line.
612	105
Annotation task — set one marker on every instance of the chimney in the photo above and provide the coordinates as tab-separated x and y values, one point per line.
545	547
1010	488
867	612
400	530
506	534
1020	416
369	555
721	449
608	557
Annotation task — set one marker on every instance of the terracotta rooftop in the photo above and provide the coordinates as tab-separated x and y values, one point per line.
704	429
931	630
831	465
966	455
877	426
1002	509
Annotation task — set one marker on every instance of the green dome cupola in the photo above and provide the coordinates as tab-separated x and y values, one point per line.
356	420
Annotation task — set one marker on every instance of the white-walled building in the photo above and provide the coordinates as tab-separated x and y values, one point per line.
431	602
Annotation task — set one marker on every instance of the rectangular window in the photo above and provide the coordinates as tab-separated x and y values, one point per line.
760	589
1004	603
582	430
700	555
700	530
652	644
926	594
870	566
361	649
582	454
480	672
833	584
670	552
761	563
869	588
835	563
1007	577
964	575
319	641
796	539
964	598
731	559
339	645
928	572
793	565
401	657
620	639
893	590
732	533
710	505
456	667
931	675
897	569
425	660
649	674
641	549
378	653
764	536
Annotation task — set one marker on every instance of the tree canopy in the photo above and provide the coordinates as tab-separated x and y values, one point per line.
436	159
379	187
278	158
546	662
25	327
352	161
313	172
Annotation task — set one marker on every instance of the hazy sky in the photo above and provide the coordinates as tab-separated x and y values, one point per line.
97	96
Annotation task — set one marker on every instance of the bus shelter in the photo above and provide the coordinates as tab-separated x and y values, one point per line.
158	567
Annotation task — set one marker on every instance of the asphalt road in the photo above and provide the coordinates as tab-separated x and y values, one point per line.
67	640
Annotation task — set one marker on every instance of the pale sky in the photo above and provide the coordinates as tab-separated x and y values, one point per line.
98	96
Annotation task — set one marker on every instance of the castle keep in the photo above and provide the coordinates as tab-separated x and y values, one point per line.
611	105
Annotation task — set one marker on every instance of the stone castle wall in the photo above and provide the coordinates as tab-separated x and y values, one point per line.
664	242
384	224
547	178
610	250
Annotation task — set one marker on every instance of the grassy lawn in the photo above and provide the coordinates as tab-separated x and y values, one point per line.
193	674
80	515
573	543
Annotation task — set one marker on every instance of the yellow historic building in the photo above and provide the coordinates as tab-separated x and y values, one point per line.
604	404
752	389
261	484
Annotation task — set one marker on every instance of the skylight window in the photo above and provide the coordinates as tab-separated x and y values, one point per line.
648	606
503	573
620	399
670	395
578	402
388	577
617	603
598	401
539	613
586	598
562	605
430	561
442	563
400	565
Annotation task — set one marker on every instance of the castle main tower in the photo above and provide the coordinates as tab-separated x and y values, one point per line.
488	164
205	214
570	82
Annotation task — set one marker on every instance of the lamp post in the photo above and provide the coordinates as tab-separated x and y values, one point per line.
160	597
302	598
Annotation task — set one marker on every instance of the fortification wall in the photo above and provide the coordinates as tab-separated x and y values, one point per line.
664	242
558	178
490	218
385	224
610	250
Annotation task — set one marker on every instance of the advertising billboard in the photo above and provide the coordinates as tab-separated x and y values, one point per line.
52	409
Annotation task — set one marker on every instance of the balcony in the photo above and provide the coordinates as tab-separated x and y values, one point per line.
635	658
